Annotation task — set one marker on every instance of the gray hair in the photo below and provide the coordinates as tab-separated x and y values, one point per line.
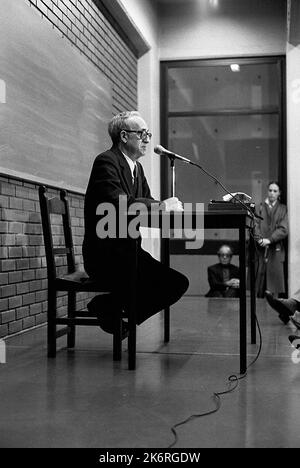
118	122
227	247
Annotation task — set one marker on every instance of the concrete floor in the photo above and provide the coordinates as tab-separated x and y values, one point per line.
83	399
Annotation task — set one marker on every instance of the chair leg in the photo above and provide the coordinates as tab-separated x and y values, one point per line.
51	328
132	309
167	325
132	332
71	314
117	339
132	346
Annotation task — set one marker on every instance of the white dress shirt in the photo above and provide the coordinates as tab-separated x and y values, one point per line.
132	165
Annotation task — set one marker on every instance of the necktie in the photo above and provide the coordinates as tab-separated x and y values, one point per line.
134	180
134	175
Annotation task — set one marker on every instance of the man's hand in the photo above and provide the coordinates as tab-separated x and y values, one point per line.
233	283
264	242
171	204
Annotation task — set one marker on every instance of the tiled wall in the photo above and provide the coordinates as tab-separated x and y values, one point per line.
23	276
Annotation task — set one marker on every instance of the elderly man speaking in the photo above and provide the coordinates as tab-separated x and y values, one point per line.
117	172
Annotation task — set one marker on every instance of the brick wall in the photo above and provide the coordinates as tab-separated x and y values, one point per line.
82	23
23	276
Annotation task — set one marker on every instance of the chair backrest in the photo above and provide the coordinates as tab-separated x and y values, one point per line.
56	206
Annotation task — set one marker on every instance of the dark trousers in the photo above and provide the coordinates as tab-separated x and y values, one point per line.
230	292
158	286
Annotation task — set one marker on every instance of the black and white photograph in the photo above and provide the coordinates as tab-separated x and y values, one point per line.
149	228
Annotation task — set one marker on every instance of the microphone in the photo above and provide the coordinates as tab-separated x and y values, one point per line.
164	152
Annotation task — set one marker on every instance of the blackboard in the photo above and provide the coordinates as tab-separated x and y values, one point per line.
54	103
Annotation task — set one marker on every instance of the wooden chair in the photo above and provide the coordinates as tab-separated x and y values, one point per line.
72	282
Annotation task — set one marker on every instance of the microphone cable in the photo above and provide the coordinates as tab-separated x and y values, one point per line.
160	150
233	382
233	379
253	215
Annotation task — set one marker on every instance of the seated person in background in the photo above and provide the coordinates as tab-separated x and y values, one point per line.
223	277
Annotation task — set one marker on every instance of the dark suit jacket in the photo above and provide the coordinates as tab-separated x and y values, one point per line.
110	177
215	277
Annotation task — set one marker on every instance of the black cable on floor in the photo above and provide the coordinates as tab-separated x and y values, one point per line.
233	382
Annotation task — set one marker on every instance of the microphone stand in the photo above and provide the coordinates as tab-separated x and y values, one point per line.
173	156
252	214
166	253
173	176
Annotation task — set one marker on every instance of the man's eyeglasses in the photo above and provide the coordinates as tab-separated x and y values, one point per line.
142	134
224	255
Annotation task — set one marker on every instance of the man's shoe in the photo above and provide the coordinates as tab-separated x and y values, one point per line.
284	307
105	303
108	325
104	308
295	322
295	341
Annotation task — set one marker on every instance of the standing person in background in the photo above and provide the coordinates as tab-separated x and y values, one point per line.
270	233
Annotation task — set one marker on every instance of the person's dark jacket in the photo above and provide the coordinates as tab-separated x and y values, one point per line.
110	177
215	277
